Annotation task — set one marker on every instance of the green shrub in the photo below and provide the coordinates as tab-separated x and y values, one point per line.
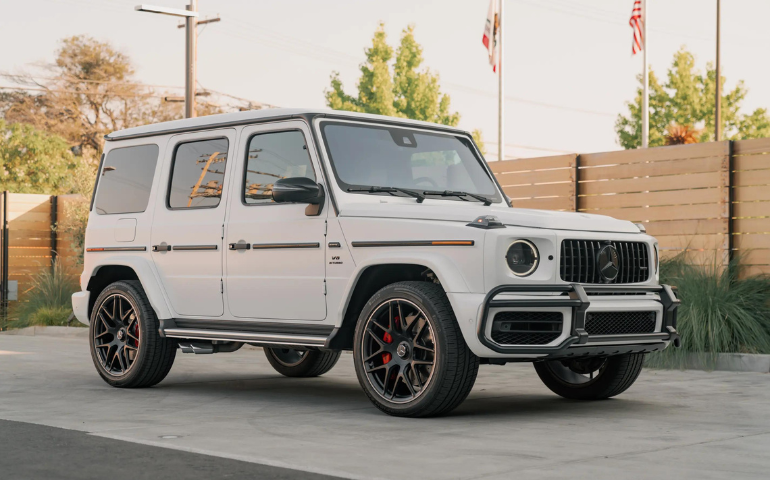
720	312
49	300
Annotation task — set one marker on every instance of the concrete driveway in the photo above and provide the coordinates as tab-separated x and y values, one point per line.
670	424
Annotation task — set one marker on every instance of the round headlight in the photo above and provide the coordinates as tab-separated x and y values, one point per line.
522	258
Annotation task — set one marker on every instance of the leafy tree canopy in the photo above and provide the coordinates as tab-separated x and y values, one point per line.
90	91
687	98
394	85
37	162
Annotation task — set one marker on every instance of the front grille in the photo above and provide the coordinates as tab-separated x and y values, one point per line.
577	263
619	323
526	328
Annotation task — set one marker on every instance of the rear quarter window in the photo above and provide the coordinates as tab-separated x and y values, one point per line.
125	180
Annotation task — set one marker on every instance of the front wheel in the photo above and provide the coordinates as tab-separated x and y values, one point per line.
409	353
591	378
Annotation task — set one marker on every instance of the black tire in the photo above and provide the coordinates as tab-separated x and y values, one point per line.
146	356
301	363
447	380
615	375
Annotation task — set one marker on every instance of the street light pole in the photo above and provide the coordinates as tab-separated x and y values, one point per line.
191	51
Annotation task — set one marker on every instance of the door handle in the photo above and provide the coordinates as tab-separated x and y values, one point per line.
161	248
240	246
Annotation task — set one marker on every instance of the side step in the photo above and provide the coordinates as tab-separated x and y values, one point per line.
246	337
263	333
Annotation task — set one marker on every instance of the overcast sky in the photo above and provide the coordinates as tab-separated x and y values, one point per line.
569	70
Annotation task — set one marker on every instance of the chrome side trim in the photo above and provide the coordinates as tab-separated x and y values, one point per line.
184	248
248	337
416	243
116	249
265	246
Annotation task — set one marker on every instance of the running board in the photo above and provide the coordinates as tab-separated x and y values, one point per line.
246	337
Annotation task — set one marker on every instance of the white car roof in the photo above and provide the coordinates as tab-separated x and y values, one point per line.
255	116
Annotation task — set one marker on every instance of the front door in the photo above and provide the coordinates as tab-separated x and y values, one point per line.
275	252
189	221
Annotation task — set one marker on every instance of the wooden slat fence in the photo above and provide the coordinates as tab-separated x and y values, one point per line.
32	243
709	200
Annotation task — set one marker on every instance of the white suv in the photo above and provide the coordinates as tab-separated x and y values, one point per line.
312	232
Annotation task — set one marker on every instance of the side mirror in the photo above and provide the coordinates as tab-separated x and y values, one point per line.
300	190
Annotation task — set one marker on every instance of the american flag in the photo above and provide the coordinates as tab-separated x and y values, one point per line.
637	23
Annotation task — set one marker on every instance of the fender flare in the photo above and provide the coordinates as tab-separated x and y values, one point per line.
446	271
146	275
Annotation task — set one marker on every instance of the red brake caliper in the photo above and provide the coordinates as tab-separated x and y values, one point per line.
387	357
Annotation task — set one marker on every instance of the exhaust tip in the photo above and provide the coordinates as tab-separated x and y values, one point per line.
677	342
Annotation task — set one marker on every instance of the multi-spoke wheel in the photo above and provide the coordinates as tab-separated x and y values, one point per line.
409	353
399	350
591	378
116	338
125	345
301	363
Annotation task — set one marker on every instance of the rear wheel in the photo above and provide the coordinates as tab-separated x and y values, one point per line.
591	378
301	363
126	347
409	353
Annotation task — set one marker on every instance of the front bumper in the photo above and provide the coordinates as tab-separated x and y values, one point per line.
578	342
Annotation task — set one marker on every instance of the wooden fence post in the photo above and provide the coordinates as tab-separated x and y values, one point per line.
576	203
4	259
54	227
727	201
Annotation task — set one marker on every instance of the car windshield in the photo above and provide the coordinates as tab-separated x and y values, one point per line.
432	164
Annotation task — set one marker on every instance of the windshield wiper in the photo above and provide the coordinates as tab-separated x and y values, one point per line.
450	193
420	197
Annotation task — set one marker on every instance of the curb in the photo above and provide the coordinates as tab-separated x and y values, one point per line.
731	362
49	331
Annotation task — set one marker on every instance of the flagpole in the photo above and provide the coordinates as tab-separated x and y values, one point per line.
646	81
718	100
501	88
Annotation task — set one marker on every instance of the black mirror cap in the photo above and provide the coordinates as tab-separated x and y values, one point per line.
300	190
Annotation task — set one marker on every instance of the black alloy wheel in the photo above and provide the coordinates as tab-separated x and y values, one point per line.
399	350
578	371
292	362
288	356
594	378
117	335
125	343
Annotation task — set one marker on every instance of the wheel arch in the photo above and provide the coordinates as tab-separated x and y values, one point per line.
373	276
117	269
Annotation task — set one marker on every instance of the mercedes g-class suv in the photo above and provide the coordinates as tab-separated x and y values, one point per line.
312	232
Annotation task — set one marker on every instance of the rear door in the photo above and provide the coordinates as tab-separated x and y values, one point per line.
189	221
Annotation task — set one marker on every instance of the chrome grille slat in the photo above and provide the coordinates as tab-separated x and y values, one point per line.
578	261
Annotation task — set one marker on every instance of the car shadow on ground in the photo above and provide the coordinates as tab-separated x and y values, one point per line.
342	394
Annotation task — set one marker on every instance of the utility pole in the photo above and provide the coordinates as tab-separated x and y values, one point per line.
190	15
718	108
191	57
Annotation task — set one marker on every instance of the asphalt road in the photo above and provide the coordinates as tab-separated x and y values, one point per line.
232	416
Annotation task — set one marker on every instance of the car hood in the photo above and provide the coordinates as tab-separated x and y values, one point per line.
452	211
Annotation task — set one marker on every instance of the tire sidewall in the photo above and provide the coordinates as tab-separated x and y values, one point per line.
146	319
441	344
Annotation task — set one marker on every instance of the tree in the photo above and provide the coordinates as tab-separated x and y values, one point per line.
90	91
687	99
396	86
37	162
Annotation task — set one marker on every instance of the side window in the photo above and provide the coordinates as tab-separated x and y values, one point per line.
198	173
126	180
272	156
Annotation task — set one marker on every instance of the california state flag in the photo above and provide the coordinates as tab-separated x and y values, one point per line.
490	34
